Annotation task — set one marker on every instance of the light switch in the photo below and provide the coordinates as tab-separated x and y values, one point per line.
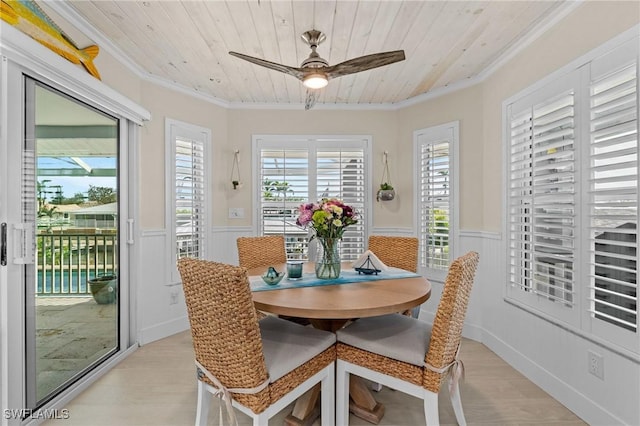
236	213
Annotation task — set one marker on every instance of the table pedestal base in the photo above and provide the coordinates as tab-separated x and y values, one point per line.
374	416
306	410
361	404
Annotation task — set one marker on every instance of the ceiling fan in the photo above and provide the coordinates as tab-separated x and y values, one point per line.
315	72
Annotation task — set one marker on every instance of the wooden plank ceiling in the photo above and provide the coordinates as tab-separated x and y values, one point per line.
187	43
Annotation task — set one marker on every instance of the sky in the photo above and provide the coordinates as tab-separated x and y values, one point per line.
71	185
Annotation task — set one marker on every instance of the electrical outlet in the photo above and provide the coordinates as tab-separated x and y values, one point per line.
173	297
596	364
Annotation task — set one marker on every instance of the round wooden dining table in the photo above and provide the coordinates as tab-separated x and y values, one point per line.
329	307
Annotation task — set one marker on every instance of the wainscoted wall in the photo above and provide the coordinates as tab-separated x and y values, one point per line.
548	354
161	308
161	311
223	247
517	336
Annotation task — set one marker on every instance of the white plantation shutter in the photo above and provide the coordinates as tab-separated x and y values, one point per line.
187	190
190	198
340	174
307	170
520	194
284	185
435	173
553	198
434	201
572	196
542	200
613	187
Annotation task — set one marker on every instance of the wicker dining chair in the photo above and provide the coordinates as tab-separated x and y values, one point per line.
397	252
259	367
269	250
407	354
254	252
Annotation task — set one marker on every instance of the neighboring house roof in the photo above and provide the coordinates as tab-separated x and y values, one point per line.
64	208
111	208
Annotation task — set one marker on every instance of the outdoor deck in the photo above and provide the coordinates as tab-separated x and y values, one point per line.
71	333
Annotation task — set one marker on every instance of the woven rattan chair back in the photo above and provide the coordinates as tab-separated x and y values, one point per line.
224	327
254	252
447	326
397	252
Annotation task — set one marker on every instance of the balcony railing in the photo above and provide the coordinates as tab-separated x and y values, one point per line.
66	260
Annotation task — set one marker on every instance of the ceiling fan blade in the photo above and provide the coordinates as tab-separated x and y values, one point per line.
296	72
364	63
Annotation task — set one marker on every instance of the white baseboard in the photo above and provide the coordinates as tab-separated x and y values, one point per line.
162	330
585	408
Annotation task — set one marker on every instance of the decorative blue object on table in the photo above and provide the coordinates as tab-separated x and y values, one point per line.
294	270
348	276
272	277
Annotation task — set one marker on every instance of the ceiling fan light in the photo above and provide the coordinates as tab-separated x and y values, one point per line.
315	81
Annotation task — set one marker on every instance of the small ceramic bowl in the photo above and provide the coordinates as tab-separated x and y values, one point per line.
273	279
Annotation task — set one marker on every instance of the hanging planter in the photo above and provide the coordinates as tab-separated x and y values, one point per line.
386	191
235	171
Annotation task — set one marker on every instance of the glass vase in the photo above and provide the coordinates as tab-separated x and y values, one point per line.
328	258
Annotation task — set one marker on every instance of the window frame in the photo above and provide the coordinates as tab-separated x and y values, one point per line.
433	134
314	143
173	130
578	75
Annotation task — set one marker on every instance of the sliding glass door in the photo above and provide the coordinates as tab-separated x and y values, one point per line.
70	219
68	161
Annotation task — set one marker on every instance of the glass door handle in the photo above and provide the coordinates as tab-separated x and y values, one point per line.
3	244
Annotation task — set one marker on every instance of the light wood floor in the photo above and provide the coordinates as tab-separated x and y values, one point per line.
156	385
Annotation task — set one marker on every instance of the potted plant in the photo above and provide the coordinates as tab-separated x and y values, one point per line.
103	289
386	192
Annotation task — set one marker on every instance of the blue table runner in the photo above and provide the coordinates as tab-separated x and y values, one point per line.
347	276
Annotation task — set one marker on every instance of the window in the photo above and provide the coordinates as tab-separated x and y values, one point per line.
572	204
436	191
613	187
296	170
542	200
188	189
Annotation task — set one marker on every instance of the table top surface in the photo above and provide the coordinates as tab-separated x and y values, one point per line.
343	301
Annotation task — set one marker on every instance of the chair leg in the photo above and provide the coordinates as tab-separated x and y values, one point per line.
342	395
456	402
204	402
260	419
431	408
328	398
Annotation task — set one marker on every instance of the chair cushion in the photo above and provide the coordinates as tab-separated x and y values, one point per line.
395	336
287	345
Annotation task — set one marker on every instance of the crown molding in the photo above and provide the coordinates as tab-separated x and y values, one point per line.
22	49
75	19
172	85
300	106
542	27
68	13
